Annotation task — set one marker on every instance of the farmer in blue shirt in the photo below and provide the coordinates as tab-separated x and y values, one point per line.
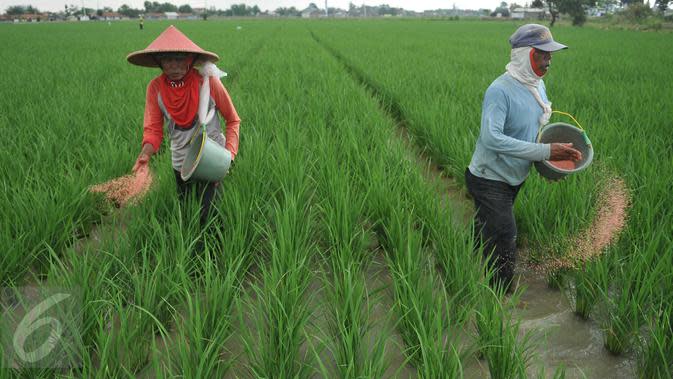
515	106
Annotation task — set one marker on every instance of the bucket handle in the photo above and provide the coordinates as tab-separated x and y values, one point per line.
584	133
571	117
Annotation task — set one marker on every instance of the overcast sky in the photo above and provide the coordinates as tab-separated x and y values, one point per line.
417	5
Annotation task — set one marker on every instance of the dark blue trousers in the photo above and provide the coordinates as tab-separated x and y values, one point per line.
494	224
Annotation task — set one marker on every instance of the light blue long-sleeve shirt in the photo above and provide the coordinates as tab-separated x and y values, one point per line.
506	145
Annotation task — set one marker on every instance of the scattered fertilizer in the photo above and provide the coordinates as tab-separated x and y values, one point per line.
126	189
609	222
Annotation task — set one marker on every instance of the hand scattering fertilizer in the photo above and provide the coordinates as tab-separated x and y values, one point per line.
126	189
560	132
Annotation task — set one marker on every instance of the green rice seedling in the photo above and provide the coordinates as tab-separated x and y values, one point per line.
282	312
450	240
559	373
498	337
28	372
205	326
590	281
657	347
344	282
87	276
357	353
124	339
443	357
638	278
459	262
552	230
233	235
402	245
557	279
154	289
424	307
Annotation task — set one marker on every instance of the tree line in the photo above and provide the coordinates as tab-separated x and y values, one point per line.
576	9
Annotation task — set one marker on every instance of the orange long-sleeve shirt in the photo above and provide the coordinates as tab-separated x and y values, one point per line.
153	123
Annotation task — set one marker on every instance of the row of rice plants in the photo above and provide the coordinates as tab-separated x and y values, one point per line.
346	258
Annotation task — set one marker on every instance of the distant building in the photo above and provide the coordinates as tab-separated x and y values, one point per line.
32	17
60	16
339	13
603	11
188	16
312	12
453	12
109	16
529	13
171	15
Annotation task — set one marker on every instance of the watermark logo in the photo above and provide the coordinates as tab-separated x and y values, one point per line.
40	327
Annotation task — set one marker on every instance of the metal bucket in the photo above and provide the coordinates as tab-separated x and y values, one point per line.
206	159
560	132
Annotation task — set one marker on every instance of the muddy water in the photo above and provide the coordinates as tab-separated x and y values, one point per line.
561	337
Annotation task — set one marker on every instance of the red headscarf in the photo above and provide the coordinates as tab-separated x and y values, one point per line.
181	98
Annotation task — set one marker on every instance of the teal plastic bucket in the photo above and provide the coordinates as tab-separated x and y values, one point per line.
560	132
206	159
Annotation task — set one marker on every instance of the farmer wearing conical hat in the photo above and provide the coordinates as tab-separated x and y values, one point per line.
515	106
173	98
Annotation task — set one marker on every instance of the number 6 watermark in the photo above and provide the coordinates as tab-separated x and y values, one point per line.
40	327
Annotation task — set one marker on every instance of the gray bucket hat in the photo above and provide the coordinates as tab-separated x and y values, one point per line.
537	36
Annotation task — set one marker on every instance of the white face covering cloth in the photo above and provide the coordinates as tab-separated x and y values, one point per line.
520	68
207	70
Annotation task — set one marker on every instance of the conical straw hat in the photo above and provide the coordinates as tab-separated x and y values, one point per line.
171	40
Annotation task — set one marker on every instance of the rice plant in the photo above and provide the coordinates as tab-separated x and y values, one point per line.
654	359
625	308
590	281
507	357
